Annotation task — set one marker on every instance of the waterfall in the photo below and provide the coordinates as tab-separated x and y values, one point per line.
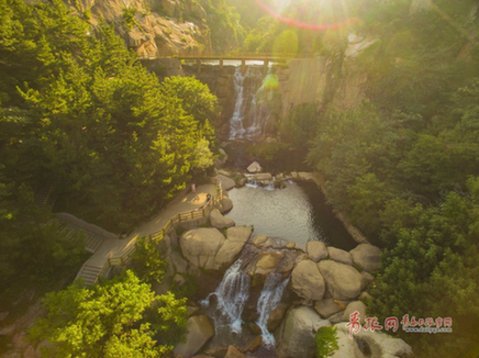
269	298
231	294
237	129
253	95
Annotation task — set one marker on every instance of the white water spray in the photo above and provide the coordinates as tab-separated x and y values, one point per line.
231	294
237	129
268	300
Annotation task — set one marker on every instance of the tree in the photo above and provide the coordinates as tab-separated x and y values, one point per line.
147	261
196	99
110	320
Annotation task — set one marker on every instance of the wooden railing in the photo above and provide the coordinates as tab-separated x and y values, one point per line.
90	273
199	213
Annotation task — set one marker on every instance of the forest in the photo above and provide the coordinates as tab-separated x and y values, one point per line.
86	129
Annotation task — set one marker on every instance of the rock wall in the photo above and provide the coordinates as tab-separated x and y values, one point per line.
157	28
306	80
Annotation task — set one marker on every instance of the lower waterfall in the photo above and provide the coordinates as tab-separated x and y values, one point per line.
231	295
269	298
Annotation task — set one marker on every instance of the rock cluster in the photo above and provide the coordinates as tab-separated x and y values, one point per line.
326	285
209	249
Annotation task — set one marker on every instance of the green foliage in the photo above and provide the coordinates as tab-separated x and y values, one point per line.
110	320
290	34
268	153
326	342
299	127
286	43
224	22
404	165
148	262
85	129
128	17
197	99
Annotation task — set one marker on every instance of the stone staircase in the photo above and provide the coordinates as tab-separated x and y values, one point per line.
89	274
92	243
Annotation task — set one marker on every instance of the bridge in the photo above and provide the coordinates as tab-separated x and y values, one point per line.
222	60
266	60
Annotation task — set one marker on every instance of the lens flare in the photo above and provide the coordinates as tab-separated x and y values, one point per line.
301	24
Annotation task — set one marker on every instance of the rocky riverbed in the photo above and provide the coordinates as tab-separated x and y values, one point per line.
263	297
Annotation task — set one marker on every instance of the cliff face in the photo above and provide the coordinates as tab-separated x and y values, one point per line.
152	28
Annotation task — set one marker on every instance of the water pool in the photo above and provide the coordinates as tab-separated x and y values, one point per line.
298	213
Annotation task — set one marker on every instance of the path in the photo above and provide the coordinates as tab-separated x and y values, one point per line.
111	248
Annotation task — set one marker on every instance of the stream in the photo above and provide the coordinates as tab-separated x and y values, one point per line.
298	212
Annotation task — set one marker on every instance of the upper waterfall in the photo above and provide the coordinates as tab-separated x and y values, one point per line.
237	130
253	97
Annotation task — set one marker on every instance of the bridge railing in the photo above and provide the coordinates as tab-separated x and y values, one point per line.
232	56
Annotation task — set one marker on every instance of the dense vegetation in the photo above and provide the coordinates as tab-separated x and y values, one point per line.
405	165
267	33
120	318
84	128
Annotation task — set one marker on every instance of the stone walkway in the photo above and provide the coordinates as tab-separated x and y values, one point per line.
111	248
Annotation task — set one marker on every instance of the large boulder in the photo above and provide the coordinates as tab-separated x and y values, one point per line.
367	257
200	330
262	241
383	345
239	233
263	178
226	205
340	255
327	307
276	316
355	306
178	263
316	250
366	279
234	352
337	318
200	246
226	182
219	221
378	344
347	347
254	167
296	334
343	281
307	281
267	263
236	238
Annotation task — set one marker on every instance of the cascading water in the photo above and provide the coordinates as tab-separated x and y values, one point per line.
231	295
269	298
252	97
258	112
237	129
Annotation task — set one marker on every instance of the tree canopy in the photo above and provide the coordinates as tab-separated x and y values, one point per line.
86	129
120	318
404	164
